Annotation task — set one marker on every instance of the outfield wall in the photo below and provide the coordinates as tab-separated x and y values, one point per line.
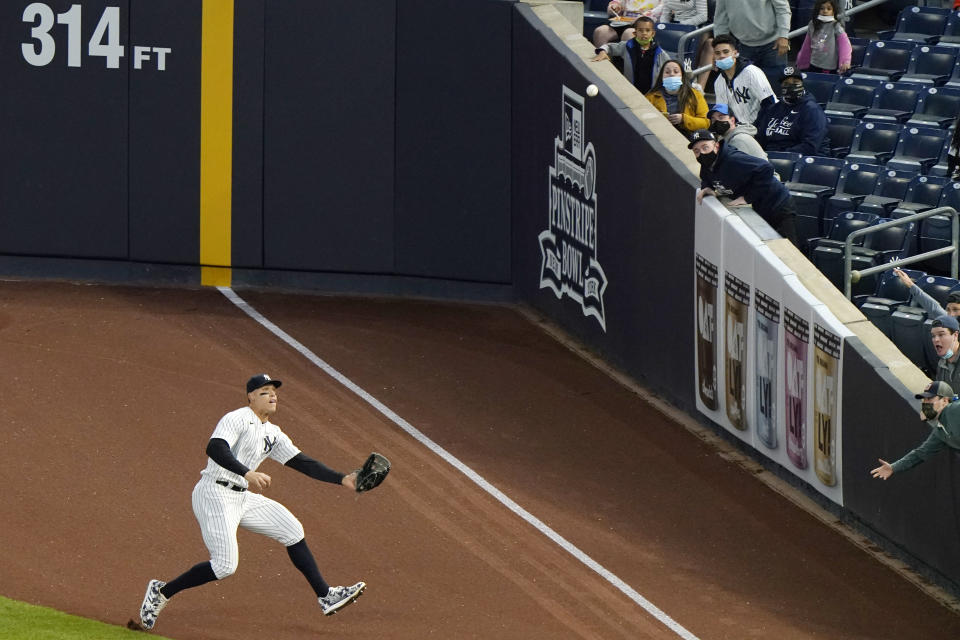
390	163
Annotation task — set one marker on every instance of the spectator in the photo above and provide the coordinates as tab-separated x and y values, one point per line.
675	98
943	332
953	153
921	298
797	123
642	56
724	171
739	136
761	28
739	84
939	411
623	9
826	47
692	12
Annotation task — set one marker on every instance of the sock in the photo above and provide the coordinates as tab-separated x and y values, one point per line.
303	560
194	577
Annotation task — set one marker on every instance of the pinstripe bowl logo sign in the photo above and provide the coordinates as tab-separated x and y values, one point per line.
569	245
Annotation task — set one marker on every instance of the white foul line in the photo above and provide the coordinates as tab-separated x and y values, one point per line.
651	608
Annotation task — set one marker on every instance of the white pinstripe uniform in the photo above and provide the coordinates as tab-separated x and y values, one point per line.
221	509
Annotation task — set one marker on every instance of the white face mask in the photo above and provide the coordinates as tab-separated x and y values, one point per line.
826	18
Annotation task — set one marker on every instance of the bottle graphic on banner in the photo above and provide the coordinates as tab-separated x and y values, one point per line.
768	329
707	331
796	336
735	338
826	358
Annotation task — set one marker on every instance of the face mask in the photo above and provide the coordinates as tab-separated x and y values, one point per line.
707	159
793	95
948	354
643	43
928	411
672	83
720	127
826	18
725	63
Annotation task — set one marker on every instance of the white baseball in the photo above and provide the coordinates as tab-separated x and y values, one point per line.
592	90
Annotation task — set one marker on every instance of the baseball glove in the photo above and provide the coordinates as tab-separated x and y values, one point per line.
372	473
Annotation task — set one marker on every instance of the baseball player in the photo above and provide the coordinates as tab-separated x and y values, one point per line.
224	499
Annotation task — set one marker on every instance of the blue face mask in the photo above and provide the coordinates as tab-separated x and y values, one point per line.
948	354
672	83
725	63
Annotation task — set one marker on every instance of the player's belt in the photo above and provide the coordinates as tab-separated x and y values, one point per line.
230	485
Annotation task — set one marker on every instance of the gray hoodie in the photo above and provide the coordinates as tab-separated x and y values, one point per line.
741	138
753	22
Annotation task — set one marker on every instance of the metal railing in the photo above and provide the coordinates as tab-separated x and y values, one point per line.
850	277
682	43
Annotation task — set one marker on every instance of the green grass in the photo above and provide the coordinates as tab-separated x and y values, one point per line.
21	621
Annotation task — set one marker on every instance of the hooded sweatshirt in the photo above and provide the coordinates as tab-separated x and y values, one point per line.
743	138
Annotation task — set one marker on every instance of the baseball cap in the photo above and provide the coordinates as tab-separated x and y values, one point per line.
720	107
947	322
790	72
699	136
261	380
954	297
935	389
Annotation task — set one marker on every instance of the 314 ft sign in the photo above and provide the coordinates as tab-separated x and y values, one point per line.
105	41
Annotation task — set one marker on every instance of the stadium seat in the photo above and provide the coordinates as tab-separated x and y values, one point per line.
954	80
923	193
877	248
784	163
874	142
840	130
930	65
894	102
936	232
890	291
937	107
852	97
941	168
814	180
858	47
887	60
842	226
822	85
668	37
857	181
889	193
918	24
918	149
937	287
950	196
951	32
910	335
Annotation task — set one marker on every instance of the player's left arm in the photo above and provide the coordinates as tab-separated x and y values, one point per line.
315	469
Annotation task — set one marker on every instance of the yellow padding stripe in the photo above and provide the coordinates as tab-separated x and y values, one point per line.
216	141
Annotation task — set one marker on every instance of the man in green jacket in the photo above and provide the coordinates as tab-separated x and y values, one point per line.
939	411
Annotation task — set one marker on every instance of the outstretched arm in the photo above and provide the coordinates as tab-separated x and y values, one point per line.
319	471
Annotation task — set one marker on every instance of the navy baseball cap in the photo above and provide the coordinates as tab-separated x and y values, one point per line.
720	107
699	136
947	322
261	380
935	389
953	296
790	72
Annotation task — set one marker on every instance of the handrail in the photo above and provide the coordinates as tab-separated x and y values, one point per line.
683	39
854	276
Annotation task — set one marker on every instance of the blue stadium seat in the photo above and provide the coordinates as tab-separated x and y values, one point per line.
918	24
852	97
821	86
936	232
954	80
857	181
889	193
828	254
923	193
937	287
951	32
840	130
890	291
894	102
887	60
919	149
668	37
930	65
941	168
842	226
950	196
814	180
784	163
858	48
874	142
910	335
937	107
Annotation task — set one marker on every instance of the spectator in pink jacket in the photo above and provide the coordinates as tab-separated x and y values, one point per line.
826	47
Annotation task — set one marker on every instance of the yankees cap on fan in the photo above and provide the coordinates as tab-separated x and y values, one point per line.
699	136
935	389
261	380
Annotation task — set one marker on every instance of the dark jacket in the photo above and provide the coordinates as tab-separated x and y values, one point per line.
735	174
801	128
